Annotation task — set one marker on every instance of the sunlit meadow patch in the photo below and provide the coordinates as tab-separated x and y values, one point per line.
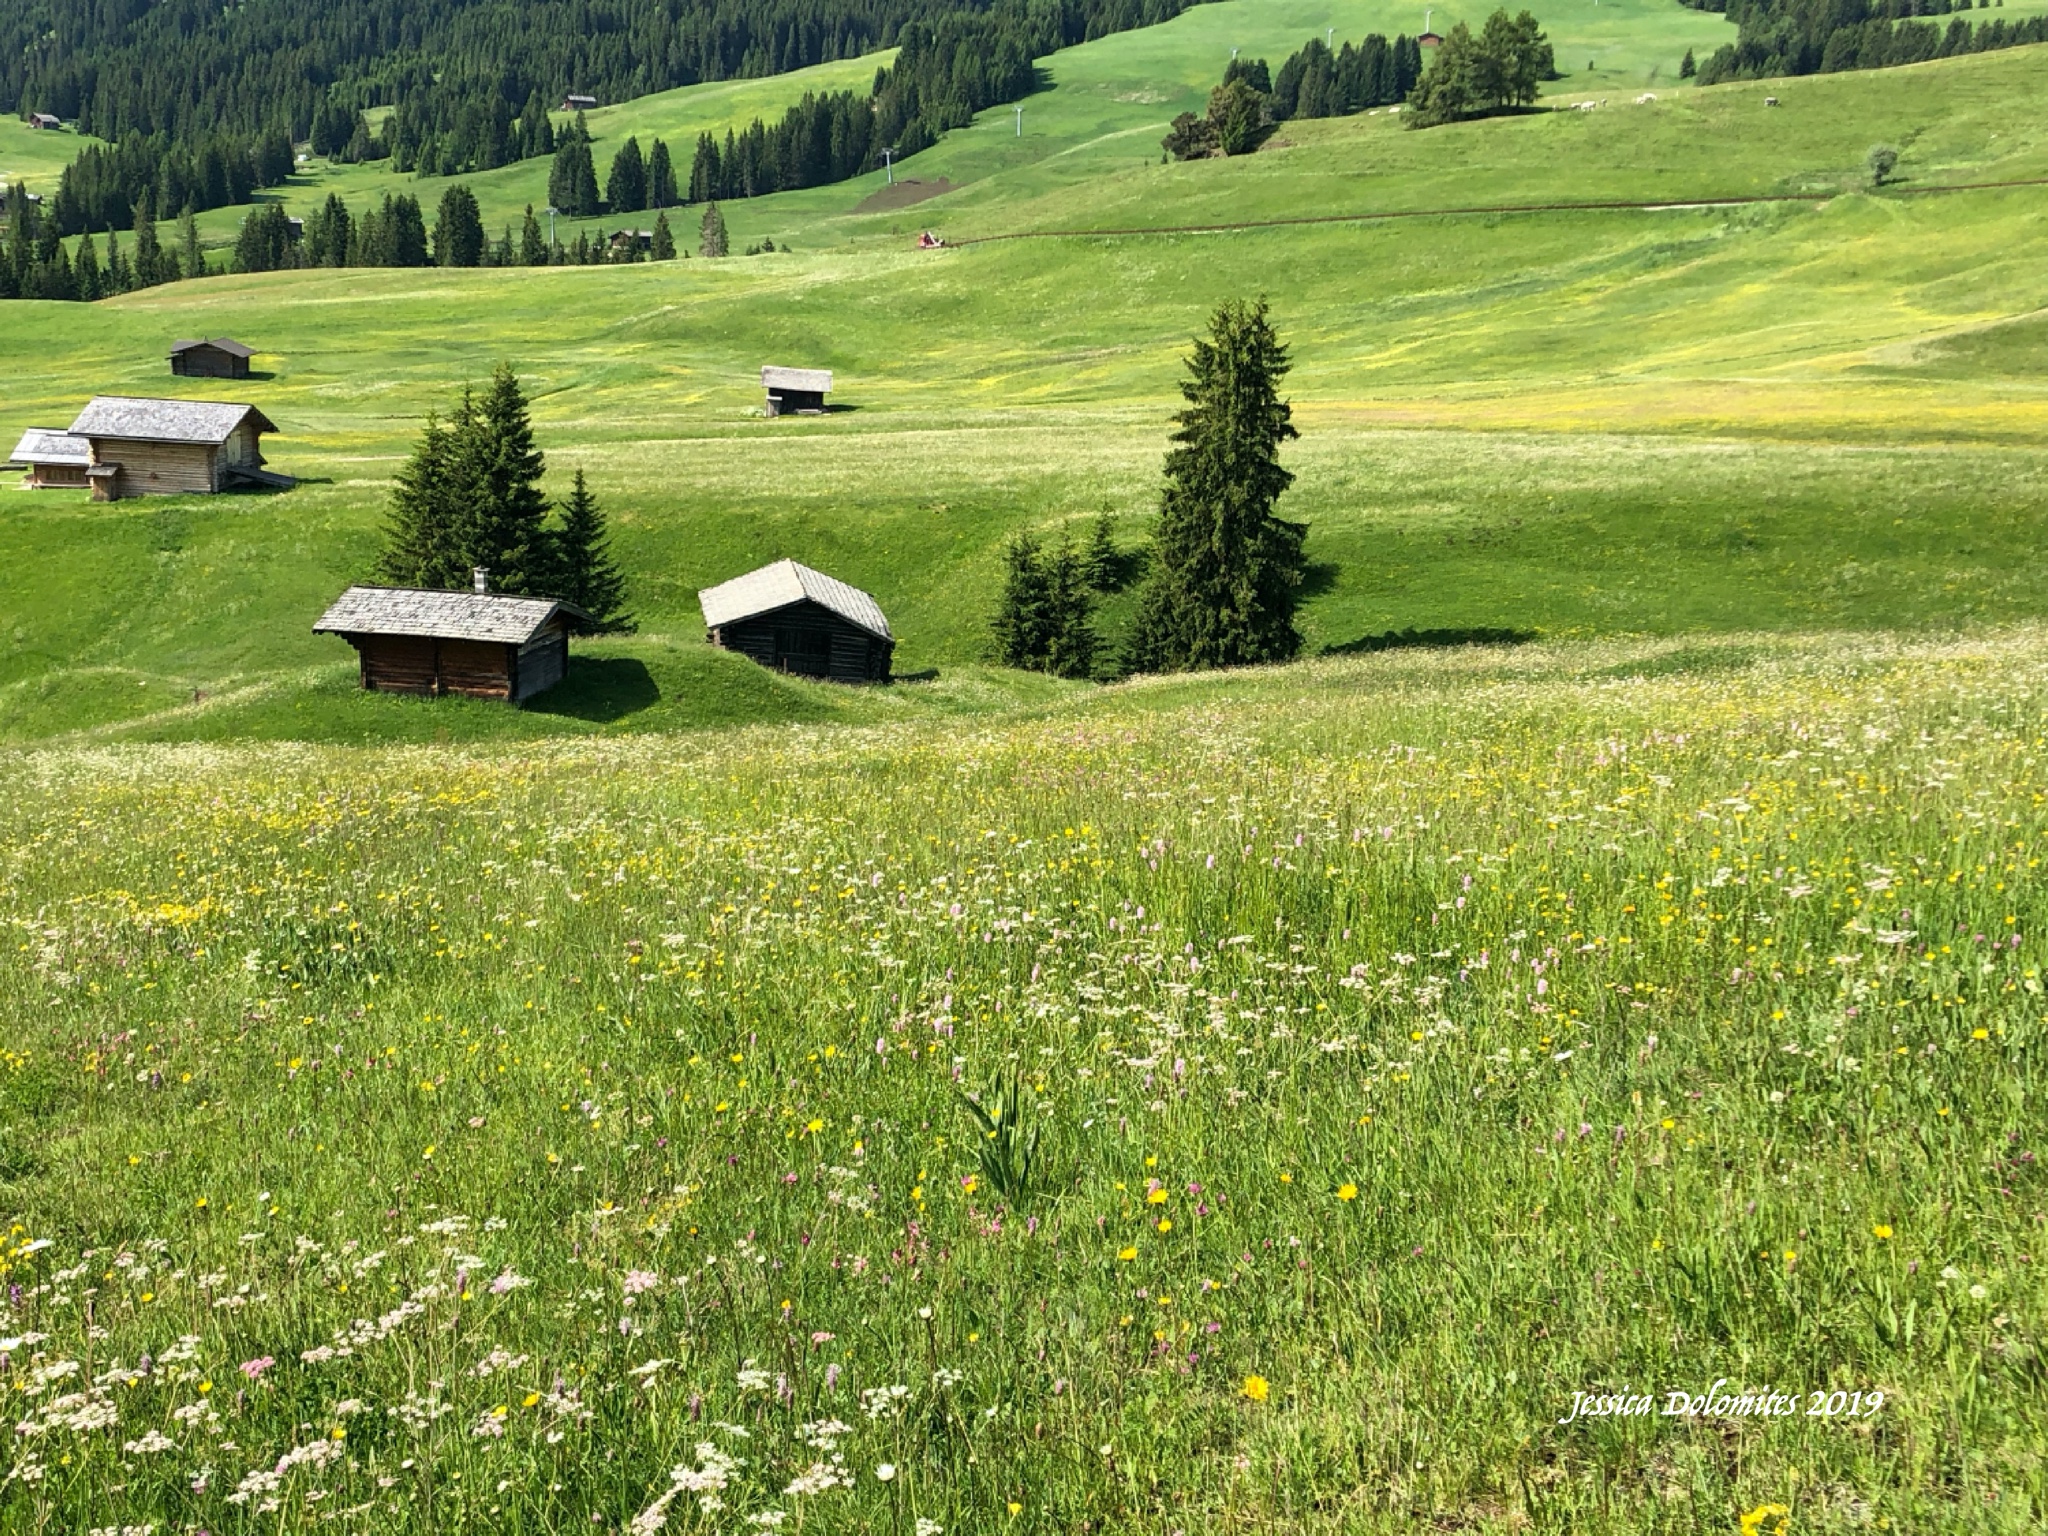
574	1138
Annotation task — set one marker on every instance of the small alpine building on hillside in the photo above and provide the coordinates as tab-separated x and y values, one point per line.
479	644
173	447
791	618
796	391
53	458
221	358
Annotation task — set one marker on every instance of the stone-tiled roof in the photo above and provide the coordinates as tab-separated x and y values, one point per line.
783	583
165	421
815	380
51	445
496	616
225	344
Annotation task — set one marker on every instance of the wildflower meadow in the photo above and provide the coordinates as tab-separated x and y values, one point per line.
1322	1100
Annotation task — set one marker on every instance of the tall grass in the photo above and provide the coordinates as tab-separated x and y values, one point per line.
546	1138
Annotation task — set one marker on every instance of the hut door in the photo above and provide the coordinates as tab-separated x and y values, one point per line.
806	651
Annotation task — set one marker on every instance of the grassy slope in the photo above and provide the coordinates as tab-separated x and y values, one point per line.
1490	1028
1567	422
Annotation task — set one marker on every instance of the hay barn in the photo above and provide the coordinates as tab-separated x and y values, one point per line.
173	447
793	391
53	459
480	644
791	618
221	358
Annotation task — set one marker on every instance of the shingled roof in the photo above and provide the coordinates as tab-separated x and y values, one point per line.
166	421
811	380
225	344
782	584
48	445
491	616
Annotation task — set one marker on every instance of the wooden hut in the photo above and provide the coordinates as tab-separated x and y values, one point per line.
793	390
480	644
575	101
52	458
172	447
45	120
791	618
221	358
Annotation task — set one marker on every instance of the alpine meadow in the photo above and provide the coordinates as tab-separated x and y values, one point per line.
1024	768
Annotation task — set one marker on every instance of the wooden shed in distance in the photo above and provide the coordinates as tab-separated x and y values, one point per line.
480	644
53	459
794	391
172	447
221	358
791	618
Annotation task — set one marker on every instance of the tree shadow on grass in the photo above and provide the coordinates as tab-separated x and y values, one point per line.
1429	639
599	689
1319	577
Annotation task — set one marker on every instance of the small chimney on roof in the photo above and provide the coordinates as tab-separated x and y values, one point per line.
481	576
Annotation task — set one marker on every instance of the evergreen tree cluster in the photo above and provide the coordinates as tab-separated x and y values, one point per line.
1314	82
103	187
1497	70
635	183
1808	37
470	81
1045	620
470	495
35	263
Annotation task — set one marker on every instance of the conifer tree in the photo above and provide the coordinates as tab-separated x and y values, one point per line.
626	187
584	571
1070	642
661	177
190	257
533	250
499	473
1226	572
459	230
120	276
663	246
86	271
420	536
1105	562
1023	622
712	236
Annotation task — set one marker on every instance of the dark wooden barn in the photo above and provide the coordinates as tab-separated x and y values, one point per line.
796	390
793	619
221	358
53	459
481	644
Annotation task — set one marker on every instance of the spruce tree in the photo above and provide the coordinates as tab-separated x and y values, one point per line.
663	246
120	276
533	250
86	272
626	187
712	236
661	177
1070	609
191	258
459	231
421	539
500	473
1104	565
1023	621
1226	572
584	572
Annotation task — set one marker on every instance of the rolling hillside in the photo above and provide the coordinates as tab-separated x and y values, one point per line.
1793	414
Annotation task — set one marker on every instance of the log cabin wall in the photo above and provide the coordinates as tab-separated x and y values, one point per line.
476	669
542	662
160	469
209	363
44	477
809	640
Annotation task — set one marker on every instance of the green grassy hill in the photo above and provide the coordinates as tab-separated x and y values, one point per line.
1786	415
